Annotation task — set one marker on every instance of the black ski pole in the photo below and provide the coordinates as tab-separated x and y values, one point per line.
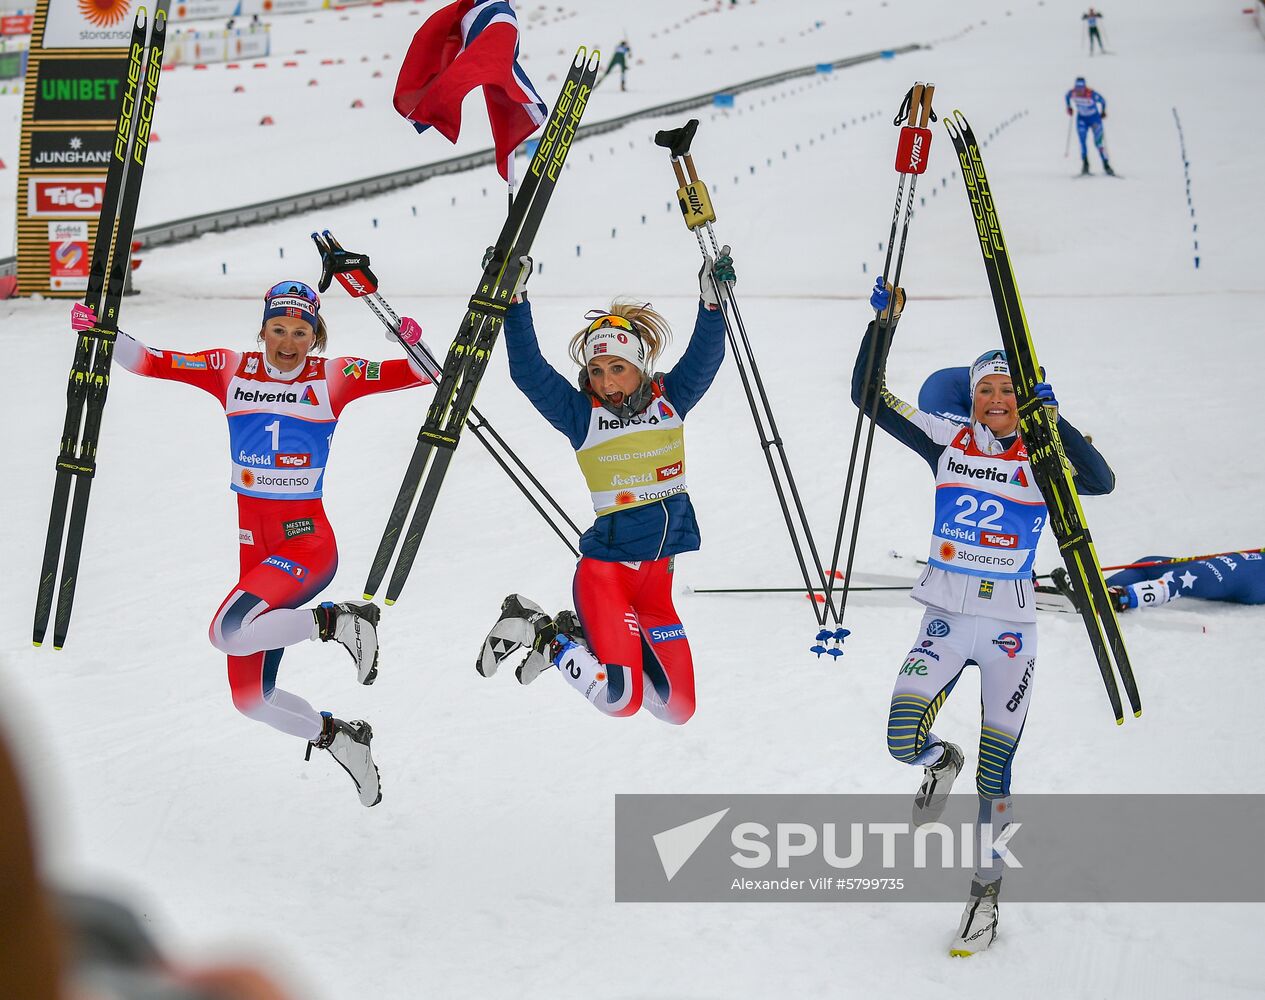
911	161
352	271
697	209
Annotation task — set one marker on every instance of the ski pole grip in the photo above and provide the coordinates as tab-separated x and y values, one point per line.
915	138
924	118
915	101
677	140
696	204
680	173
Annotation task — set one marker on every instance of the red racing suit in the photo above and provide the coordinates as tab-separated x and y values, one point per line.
281	426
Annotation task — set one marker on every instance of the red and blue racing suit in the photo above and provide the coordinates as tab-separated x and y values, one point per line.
281	425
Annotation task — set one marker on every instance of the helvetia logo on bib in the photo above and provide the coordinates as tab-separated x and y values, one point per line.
104	13
1019	478
309	397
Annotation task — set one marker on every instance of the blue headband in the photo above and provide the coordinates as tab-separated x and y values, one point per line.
292	299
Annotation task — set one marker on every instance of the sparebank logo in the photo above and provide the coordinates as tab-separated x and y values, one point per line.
677	845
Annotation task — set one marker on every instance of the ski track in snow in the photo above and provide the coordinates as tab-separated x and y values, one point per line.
487	870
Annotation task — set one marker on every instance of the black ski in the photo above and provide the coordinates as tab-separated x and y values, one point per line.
1038	427
469	353
353	273
90	370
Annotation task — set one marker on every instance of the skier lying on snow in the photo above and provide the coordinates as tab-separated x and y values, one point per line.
1237	577
977	590
283	405
625	645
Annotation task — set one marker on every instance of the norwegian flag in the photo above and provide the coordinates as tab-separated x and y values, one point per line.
468	44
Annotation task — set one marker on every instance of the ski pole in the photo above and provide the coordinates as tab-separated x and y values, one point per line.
1067	143
911	161
696	207
361	283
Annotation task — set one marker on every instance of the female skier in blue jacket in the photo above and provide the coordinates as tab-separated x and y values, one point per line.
624	646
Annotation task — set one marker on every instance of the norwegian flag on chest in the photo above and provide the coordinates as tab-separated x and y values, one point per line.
468	44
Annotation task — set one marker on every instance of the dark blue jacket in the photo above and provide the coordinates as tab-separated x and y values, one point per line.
655	530
1094	475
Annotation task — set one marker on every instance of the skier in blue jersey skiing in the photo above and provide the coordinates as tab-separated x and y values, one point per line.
977	591
1090	108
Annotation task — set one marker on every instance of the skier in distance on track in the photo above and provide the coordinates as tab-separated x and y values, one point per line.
1090	108
283	403
977	590
625	645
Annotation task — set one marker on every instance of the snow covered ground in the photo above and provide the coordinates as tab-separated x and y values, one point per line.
487	869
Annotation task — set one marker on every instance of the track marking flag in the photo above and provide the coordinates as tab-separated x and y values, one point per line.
468	44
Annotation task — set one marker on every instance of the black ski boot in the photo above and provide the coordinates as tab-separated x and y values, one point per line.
1084	166
549	642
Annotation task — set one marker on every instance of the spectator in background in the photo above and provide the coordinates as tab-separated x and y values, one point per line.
80	947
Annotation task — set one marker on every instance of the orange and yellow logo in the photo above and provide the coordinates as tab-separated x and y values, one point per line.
104	13
947	552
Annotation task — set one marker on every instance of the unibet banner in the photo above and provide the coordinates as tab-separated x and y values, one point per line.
76	72
78	89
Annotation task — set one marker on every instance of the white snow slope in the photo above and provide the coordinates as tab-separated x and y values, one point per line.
487	869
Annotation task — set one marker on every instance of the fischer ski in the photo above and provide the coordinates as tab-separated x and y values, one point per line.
468	355
353	273
94	352
1039	430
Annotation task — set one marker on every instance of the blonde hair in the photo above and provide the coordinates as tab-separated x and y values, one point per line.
649	323
318	341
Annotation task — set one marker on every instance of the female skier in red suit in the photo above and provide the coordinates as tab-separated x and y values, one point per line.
283	404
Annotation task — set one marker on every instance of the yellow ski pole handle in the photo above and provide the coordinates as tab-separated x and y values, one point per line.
696	204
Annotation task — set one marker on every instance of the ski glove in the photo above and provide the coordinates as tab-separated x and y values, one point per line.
881	297
526	265
82	317
712	274
1044	394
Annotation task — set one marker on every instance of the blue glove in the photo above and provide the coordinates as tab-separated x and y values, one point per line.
880	296
1044	394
